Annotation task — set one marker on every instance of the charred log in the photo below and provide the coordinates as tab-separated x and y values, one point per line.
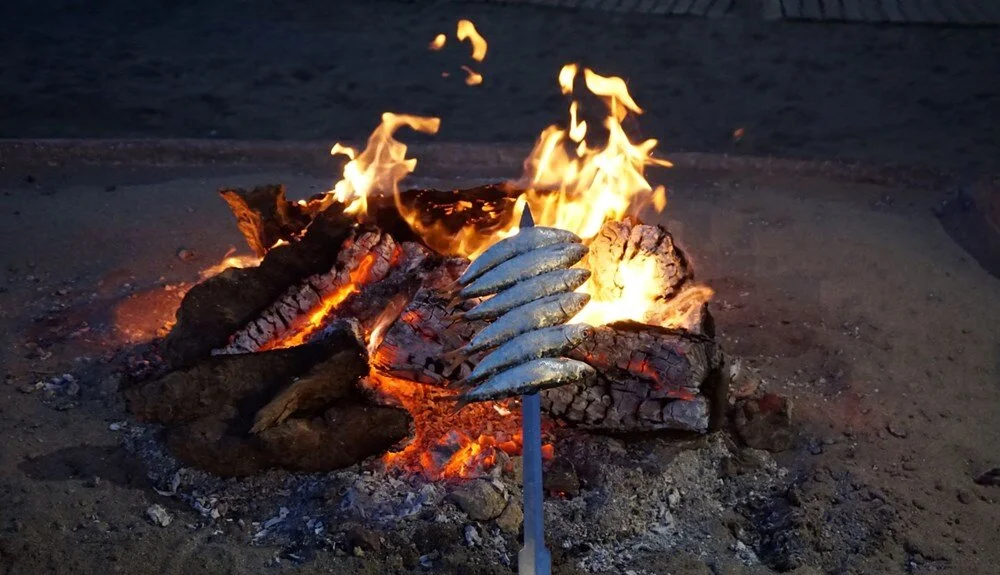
649	379
216	308
264	216
246	383
344	435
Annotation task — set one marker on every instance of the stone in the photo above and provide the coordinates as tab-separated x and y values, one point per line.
765	423
511	519
359	538
991	477
158	515
479	499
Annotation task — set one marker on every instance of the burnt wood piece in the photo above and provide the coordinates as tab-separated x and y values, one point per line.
366	257
425	330
345	434
264	216
649	379
216	308
247	382
621	246
440	215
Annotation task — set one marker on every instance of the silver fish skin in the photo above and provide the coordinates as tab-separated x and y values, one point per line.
524	266
548	311
525	240
545	342
549	283
530	377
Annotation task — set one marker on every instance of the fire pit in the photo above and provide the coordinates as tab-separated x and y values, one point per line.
332	349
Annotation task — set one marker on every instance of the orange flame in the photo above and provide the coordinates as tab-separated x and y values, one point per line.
438	42
307	325
467	31
471	77
381	166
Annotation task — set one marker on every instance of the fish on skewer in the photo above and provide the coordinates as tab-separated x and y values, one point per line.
545	342
548	311
546	284
526	240
530	377
523	267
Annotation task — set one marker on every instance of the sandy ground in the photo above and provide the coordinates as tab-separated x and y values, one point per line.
848	297
308	69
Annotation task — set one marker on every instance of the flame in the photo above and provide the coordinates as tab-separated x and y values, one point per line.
382	164
438	42
471	77
385	320
230	261
467	31
307	325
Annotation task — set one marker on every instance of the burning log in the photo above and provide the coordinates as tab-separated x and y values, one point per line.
649	379
265	217
249	381
365	257
219	306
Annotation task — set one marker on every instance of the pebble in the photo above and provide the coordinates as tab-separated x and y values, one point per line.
511	519
479	500
158	515
472	537
673	497
186	255
964	496
896	430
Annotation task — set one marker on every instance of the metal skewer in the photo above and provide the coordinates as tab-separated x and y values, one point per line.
534	558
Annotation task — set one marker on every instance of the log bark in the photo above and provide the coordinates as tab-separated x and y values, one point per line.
364	258
264	216
343	435
649	379
246	383
215	309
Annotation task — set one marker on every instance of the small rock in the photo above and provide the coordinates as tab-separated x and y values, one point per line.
964	496
158	515
472	537
479	500
765	423
673	497
561	478
511	519
186	255
516	469
815	447
359	538
896	430
991	477
93	482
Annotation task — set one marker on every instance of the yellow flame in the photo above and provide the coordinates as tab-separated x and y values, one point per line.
381	166
467	31
471	77
229	261
438	42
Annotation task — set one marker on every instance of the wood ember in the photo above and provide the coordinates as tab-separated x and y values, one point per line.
649	379
215	309
264	216
365	258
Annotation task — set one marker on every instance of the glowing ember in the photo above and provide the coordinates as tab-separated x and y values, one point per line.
446	444
438	42
467	31
307	325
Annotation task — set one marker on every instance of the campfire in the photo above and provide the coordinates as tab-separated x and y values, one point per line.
328	346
